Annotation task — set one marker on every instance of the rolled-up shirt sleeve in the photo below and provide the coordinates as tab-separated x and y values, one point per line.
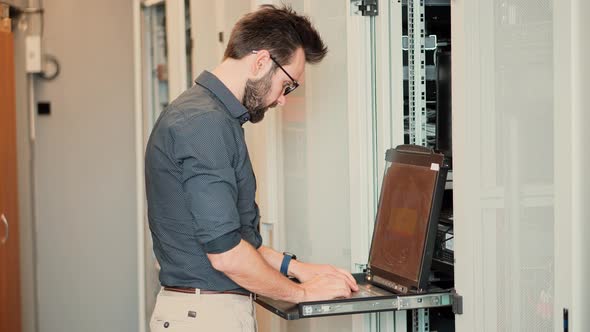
204	148
249	231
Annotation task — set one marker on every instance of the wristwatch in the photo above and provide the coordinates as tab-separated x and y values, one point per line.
287	257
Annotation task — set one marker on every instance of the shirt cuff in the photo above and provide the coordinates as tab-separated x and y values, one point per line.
252	236
223	243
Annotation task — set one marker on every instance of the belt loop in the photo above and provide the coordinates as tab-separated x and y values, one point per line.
197	291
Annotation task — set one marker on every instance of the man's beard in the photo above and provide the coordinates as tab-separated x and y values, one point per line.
254	94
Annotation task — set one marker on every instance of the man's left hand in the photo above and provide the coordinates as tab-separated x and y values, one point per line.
306	271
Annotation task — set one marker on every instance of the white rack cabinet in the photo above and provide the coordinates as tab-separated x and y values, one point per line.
521	189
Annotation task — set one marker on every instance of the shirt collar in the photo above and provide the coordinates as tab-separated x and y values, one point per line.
232	104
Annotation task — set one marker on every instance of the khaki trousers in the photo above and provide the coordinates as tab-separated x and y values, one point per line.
181	312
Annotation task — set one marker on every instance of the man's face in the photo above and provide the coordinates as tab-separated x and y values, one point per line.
267	91
255	95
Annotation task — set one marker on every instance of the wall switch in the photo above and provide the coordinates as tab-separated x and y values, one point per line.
43	108
33	54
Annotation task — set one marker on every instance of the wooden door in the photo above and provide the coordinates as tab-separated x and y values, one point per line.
10	301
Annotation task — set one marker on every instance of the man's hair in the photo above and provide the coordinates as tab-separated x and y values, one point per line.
280	30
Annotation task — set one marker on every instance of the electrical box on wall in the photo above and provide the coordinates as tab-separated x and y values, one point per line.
33	54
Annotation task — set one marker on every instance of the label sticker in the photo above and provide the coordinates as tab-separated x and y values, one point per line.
434	167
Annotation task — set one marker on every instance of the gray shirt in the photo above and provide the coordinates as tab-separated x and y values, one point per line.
200	185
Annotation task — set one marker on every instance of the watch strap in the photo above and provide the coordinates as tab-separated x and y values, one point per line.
285	263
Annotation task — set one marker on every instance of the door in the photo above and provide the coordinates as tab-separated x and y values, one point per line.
504	171
9	247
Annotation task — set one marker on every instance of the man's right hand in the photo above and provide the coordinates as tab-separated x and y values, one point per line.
324	287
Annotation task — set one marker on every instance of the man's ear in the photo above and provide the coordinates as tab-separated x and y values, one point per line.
261	64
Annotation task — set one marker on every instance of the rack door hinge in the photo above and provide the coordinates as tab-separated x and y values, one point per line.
365	7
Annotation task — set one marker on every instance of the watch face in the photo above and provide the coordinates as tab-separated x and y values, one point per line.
290	254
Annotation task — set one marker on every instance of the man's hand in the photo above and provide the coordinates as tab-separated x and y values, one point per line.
306	272
324	287
318	282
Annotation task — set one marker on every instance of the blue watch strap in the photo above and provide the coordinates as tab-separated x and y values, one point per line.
285	264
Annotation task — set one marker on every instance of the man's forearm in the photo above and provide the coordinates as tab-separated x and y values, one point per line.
249	268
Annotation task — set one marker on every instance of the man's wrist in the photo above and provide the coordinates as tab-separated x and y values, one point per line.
286	263
294	268
300	296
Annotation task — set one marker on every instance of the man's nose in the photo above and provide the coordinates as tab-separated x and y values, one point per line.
282	100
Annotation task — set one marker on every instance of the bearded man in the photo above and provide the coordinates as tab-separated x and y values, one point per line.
201	187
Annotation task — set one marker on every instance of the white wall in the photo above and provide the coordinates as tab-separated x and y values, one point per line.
209	19
85	171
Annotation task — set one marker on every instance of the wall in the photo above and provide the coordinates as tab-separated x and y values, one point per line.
24	186
213	18
85	173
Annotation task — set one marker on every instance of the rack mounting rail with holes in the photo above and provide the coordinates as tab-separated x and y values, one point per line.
398	272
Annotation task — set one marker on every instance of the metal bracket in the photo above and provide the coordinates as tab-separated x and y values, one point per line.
430	43
420	320
393	303
416	45
457	303
365	7
361	267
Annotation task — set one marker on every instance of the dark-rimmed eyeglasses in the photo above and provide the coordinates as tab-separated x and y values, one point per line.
293	85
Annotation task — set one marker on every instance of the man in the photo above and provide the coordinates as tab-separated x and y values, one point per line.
201	188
